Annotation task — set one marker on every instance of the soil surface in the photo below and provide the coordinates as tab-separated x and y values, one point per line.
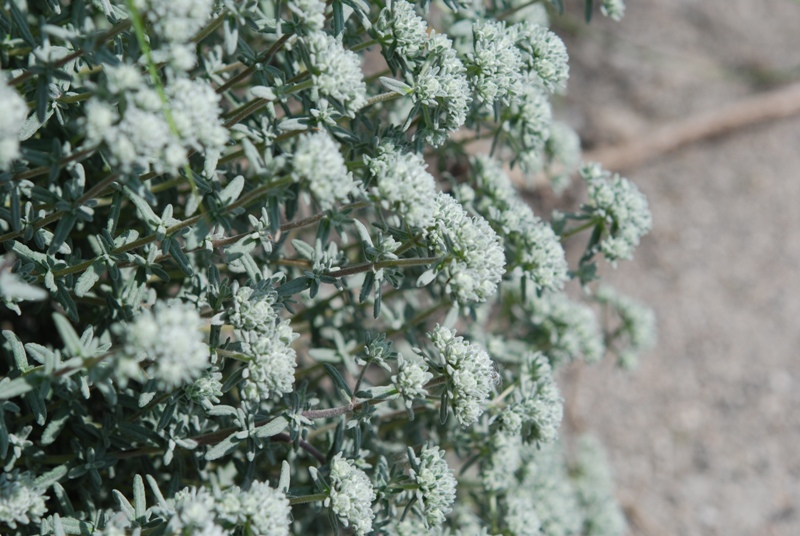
704	435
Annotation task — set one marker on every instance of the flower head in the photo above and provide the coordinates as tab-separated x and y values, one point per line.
318	162
21	501
494	66
469	371
351	495
544	55
410	379
271	372
170	337
15	111
336	72
264	510
436	485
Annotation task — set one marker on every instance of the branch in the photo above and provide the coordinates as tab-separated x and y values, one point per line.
768	106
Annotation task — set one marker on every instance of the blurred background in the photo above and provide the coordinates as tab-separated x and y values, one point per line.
704	436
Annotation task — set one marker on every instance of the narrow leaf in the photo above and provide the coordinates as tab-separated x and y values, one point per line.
273	427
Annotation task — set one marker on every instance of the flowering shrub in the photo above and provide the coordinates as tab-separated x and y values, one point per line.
253	283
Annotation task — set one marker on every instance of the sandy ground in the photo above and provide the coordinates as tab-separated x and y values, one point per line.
704	435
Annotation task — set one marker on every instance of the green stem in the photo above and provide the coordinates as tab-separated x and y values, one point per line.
396	263
382	97
263	59
308	498
578	229
365	44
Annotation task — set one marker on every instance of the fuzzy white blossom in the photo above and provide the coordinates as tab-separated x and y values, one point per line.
521	517
206	389
14	113
622	209
175	20
264	510
602	515
563	149
614	9
531	245
470	374
401	30
500	464
169	338
441	86
309	13
336	72
21	501
351	495
271	372
410	379
494	66
544	55
123	77
404	185
571	328
193	512
527	123
637	323
318	162
253	309
477	262
436	485
536	407
143	136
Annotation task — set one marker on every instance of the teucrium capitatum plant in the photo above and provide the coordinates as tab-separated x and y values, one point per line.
259	286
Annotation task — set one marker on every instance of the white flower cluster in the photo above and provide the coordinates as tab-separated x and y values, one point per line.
404	185
547	486
144	138
15	111
309	13
272	370
336	72
470	374
175	20
528	123
622	209
441	86
572	328
563	150
206	389
614	9
543	54
638	322
531	244
521	517
410	380
401	31
253	310
436	485
537	408
500	464
595	491
495	65
317	161
264	510
478	261
21	501
169	338
351	495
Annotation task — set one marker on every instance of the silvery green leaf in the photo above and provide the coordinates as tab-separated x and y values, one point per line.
272	428
139	499
52	476
396	86
224	447
124	505
17	349
145	211
426	278
32	125
283	482
262	92
12	388
68	335
233	190
363	232
55	426
89	277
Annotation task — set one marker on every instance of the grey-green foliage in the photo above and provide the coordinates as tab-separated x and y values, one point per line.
254	284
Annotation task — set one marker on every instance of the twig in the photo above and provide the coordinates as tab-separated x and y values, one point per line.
768	106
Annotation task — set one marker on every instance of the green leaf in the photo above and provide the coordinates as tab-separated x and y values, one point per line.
55	426
72	342
20	357
143	207
273	427
396	86
232	191
589	8
224	447
124	505
13	388
52	476
337	379
139	499
89	278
